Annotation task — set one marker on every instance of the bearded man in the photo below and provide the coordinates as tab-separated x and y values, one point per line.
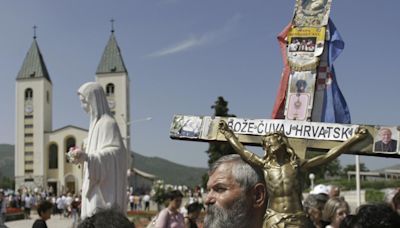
236	194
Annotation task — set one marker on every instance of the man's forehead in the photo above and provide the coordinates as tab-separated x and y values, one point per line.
223	174
386	131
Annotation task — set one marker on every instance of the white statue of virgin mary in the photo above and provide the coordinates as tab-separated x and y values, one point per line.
105	156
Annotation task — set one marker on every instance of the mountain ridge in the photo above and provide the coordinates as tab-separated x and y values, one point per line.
169	171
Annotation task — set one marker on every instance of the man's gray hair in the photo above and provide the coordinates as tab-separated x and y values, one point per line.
245	175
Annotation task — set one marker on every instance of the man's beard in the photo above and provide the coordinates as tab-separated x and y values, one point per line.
238	215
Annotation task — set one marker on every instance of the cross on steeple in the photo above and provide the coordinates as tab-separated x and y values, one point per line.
34	31
112	25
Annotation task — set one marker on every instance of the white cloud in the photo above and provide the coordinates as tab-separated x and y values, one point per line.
199	40
180	47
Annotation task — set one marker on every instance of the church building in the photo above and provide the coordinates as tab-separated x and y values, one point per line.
40	150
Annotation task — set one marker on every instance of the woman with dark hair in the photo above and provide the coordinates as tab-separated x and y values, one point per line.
193	213
378	215
170	217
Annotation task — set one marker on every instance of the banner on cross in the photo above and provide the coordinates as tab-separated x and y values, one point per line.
382	141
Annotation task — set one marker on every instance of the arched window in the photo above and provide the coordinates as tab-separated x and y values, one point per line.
110	89
28	94
53	156
70	142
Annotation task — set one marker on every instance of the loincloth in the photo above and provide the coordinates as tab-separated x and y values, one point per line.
273	219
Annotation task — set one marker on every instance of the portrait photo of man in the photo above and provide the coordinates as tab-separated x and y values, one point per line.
385	143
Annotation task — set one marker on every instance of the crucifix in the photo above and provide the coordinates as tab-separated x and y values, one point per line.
285	144
300	113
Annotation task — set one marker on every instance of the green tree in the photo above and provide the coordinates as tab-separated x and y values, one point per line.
332	168
160	193
7	183
218	149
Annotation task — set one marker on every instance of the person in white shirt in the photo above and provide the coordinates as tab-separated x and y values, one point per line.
60	205
68	201
27	206
146	200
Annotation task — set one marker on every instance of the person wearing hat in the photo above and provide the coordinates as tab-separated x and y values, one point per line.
320	189
193	213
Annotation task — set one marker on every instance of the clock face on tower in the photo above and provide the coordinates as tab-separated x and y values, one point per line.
111	104
28	108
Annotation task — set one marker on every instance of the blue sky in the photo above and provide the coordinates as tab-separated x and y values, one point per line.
182	54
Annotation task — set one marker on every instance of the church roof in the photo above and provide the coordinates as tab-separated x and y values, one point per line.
144	174
33	65
68	127
111	61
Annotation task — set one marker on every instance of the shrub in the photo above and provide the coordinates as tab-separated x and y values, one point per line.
345	184
374	196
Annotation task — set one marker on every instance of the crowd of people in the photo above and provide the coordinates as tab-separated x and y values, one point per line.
25	200
138	201
236	197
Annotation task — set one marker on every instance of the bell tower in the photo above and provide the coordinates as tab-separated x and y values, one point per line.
33	118
112	75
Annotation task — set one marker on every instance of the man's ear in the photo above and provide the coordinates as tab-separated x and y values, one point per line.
259	195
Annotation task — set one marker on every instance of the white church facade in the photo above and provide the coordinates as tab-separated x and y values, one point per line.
40	150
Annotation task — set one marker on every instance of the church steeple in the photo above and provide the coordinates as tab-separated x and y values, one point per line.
113	77
33	101
111	61
33	66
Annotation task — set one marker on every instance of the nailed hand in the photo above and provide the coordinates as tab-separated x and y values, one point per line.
361	133
223	126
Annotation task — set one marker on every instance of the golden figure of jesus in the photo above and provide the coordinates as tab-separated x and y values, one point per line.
282	168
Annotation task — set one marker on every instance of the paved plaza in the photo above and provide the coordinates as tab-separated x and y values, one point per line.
55	221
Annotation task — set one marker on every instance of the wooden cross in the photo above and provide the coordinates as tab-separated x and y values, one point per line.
303	136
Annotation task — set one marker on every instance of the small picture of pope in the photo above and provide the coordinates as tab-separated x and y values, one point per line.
385	143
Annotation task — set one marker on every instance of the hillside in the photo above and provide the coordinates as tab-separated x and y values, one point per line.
170	172
6	160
